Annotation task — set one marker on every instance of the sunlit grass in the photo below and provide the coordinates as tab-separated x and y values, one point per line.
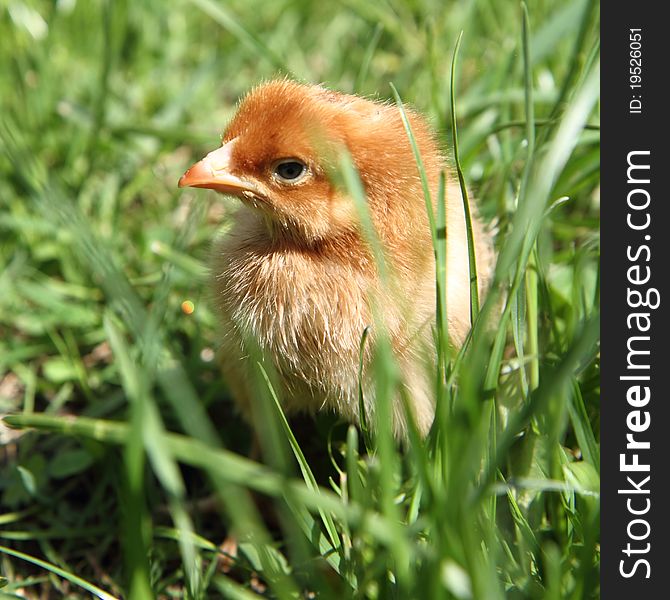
120	422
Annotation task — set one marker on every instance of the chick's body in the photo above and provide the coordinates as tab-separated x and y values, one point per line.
295	277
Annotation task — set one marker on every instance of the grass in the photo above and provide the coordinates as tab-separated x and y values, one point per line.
119	426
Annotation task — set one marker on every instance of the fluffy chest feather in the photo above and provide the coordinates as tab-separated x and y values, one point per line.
304	309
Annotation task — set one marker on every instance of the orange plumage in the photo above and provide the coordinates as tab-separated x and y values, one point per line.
294	274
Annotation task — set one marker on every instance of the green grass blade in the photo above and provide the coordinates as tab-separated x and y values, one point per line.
78	581
474	288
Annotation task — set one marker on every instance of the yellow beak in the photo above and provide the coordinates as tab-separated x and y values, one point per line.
213	172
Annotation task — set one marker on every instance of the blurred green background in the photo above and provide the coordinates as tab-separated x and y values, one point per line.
103	105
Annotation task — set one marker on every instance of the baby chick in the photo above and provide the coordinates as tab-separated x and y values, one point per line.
294	274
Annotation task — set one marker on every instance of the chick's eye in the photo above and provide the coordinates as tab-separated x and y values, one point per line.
290	171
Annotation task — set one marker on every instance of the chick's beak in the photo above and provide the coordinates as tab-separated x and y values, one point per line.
213	172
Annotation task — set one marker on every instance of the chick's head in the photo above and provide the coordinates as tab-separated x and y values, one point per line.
281	151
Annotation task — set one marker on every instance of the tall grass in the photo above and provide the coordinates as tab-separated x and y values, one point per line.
120	431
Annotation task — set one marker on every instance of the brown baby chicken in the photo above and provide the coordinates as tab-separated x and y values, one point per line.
294	274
